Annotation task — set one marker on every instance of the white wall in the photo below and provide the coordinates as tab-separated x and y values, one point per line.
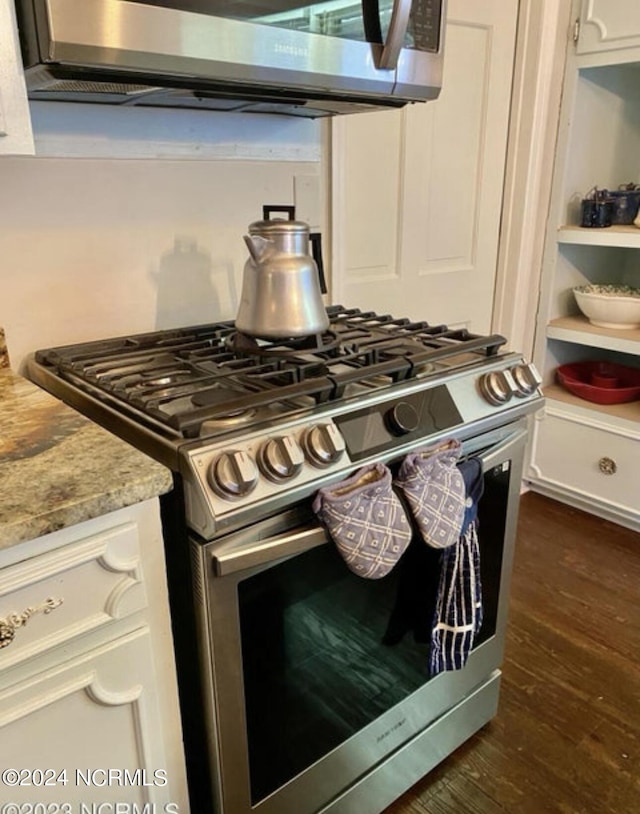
93	247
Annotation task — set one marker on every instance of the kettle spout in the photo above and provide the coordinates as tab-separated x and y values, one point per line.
257	247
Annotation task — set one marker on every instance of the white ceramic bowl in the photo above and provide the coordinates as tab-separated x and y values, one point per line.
609	306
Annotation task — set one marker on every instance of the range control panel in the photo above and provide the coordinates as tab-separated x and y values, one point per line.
254	468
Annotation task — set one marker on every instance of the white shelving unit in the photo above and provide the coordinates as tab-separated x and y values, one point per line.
583	453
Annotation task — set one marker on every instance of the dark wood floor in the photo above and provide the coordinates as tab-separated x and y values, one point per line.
567	735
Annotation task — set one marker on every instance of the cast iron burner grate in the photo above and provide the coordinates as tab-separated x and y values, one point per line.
185	379
243	345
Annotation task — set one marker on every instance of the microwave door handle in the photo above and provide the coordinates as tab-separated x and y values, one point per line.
395	38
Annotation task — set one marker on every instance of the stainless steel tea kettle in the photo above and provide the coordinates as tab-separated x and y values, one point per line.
281	294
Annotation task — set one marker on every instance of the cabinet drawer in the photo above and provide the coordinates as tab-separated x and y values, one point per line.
54	597
598	464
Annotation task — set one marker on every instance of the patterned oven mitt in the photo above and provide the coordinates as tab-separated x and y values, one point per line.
435	491
365	520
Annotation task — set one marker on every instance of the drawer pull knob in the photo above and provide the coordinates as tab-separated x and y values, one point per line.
607	466
10	624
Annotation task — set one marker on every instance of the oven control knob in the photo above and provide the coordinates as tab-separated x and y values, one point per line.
233	474
402	418
497	387
280	458
526	378
323	444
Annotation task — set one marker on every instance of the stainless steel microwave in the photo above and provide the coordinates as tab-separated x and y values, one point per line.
285	56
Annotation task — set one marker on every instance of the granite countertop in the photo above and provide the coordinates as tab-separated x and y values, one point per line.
57	468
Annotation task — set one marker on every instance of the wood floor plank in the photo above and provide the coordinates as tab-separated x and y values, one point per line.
600	679
566	739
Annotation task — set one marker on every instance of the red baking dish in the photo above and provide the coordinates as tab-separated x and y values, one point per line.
601	382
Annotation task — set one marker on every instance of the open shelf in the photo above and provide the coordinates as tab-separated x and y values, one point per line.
629	411
598	144
621	236
579	330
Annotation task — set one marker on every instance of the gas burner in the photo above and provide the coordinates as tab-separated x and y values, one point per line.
157	382
245	345
223	422
221	414
165	379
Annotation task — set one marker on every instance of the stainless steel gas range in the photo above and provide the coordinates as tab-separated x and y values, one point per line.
295	697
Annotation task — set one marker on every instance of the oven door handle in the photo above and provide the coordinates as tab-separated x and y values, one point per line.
267	551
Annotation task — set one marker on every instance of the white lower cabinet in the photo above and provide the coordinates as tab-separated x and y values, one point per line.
592	466
88	695
88	730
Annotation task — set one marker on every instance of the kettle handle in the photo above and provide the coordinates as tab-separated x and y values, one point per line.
316	252
267	209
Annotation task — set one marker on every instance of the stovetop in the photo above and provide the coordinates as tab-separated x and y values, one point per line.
205	380
253	426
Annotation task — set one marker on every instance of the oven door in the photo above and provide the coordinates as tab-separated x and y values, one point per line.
302	695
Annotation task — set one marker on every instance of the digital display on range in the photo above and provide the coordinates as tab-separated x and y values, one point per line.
375	429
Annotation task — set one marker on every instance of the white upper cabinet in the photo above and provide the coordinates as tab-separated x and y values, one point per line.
16	137
609	26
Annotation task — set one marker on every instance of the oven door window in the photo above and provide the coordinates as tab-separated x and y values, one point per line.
326	652
315	663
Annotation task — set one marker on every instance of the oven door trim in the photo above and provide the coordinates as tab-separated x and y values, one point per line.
219	632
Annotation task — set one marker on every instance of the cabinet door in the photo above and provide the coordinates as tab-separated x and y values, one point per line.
95	722
418	192
15	124
608	25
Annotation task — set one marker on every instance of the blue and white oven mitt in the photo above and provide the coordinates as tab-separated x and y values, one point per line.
366	520
435	492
